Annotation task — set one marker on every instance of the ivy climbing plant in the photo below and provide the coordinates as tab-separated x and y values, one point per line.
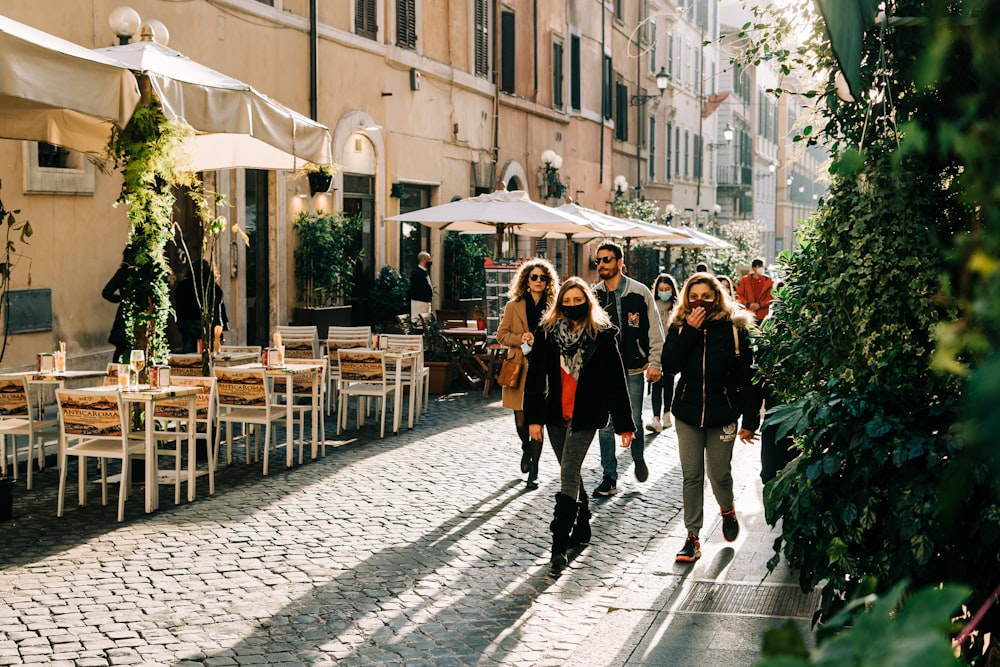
146	152
889	309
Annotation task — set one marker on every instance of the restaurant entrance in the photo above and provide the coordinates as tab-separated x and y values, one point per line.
359	200
258	302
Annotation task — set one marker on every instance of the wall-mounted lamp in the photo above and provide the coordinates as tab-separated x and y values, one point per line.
727	134
662	81
716	209
621	186
550	183
773	167
669	212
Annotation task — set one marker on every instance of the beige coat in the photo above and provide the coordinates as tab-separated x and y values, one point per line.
513	325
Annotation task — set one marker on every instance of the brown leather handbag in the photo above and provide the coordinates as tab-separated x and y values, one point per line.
510	372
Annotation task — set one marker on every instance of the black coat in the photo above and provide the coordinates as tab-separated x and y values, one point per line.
715	386
420	286
601	391
113	292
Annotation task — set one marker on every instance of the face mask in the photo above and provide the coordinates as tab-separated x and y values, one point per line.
575	313
709	306
665	296
759	270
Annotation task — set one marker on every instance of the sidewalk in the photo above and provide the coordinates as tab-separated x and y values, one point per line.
422	548
716	610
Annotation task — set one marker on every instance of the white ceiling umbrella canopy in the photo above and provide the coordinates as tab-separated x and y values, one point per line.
235	125
59	92
703	240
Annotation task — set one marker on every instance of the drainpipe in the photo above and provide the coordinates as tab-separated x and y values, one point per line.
313	62
495	149
604	84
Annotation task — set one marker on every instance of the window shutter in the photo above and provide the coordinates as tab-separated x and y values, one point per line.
574	72
621	111
406	24
557	75
507	46
482	38
364	19
608	81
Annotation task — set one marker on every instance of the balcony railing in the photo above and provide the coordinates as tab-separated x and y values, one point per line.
734	176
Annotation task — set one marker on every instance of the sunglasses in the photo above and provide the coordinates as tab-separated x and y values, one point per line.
535	277
607	259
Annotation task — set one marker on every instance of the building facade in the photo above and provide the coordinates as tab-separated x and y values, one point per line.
427	101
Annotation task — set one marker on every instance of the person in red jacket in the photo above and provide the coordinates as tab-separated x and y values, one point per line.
754	291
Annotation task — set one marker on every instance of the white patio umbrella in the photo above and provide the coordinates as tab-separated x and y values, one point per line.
497	212
234	124
703	240
59	92
629	229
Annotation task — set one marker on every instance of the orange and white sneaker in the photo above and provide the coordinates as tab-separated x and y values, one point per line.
691	551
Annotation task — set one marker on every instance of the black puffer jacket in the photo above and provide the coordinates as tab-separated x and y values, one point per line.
601	390
715	386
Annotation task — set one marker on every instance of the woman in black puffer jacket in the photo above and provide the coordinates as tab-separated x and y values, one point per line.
707	343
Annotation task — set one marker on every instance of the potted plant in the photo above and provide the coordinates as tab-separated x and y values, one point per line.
325	262
320	177
388	297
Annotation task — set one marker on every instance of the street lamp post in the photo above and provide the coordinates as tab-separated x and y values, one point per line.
639	100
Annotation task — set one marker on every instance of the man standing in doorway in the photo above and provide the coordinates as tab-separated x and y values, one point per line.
632	309
421	291
754	290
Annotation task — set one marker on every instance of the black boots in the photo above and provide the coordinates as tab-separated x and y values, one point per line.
522	433
581	530
562	523
535	452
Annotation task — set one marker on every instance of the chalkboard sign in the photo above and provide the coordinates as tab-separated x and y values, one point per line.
28	310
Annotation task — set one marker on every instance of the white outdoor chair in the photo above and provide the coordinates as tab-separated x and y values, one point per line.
300	342
362	374
416	375
338	338
93	424
19	415
173	415
244	397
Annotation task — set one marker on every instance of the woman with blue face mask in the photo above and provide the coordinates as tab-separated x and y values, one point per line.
665	291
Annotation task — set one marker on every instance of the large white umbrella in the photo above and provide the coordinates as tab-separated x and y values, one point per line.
630	229
59	92
497	212
511	209
234	124
702	240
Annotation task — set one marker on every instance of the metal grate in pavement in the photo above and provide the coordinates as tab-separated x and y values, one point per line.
748	599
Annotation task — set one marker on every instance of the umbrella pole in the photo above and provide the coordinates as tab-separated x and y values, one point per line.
498	242
570	268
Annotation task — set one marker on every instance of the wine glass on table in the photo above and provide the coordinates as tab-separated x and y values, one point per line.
136	362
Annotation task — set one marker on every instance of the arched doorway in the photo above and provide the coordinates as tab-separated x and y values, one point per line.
358	182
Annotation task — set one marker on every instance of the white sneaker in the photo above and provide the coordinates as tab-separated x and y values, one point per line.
655	425
667	421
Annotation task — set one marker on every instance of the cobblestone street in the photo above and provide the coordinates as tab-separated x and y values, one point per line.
423	548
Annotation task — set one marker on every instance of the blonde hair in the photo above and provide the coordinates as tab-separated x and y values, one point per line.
597	318
519	283
726	307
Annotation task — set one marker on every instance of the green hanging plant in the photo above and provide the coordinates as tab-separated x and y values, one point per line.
146	151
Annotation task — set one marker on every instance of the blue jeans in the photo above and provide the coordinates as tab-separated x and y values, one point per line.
606	436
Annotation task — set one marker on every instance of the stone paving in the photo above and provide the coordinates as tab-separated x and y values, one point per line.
422	548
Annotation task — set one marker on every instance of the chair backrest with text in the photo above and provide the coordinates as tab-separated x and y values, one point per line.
300	342
185	364
362	365
176	408
14	397
96	414
241	388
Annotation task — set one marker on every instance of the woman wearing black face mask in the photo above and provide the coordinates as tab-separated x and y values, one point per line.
576	381
707	343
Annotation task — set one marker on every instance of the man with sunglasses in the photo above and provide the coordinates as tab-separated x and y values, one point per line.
632	309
